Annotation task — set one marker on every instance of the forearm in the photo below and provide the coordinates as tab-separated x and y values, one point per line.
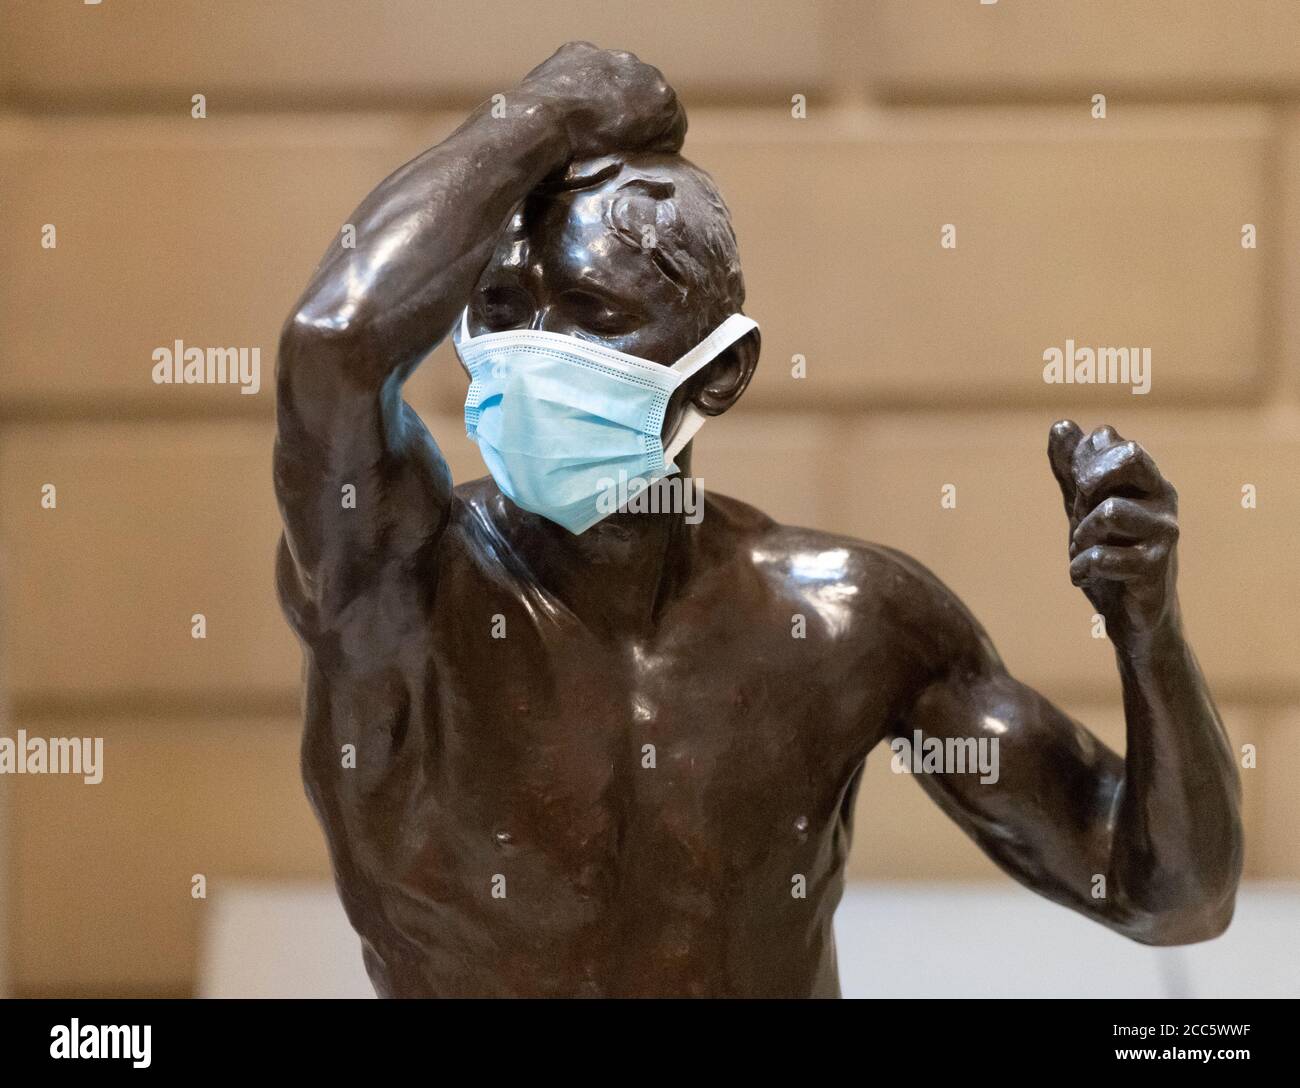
362	486
422	237
1176	836
370	314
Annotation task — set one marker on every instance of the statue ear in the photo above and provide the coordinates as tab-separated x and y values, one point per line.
719	385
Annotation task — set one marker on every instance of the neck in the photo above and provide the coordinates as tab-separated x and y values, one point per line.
618	574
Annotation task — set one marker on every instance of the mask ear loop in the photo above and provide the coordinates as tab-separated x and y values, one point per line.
692	420
708	349
463	328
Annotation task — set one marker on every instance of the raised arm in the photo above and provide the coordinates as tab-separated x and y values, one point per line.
374	310
1150	844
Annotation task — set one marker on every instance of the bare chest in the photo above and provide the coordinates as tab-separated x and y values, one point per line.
699	749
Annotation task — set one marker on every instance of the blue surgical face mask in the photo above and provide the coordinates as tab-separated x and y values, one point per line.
559	420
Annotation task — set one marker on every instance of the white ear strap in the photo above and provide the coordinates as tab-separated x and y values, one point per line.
692	420
708	349
464	324
713	345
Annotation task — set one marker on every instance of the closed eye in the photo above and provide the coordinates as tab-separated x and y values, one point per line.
503	306
600	314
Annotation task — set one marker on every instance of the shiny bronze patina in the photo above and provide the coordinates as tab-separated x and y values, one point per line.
502	831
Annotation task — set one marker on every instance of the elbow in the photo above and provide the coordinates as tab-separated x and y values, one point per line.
1193	899
312	331
1185	925
322	348
1189	911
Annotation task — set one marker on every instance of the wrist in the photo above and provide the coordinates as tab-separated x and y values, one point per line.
548	115
1152	638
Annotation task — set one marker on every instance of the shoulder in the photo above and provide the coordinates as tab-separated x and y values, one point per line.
858	590
796	554
471	498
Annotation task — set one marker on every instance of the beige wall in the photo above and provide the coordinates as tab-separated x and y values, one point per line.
924	367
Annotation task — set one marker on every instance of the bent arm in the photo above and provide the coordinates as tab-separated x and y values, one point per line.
366	319
1160	827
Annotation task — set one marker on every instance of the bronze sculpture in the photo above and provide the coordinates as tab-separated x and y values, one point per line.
622	795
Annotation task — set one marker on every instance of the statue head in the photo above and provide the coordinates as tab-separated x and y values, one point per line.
634	251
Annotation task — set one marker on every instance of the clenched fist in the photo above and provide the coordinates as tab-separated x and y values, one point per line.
1123	526
608	101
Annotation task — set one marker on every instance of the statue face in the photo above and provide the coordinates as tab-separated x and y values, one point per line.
572	262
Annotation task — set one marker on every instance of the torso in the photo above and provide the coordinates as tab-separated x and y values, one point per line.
556	812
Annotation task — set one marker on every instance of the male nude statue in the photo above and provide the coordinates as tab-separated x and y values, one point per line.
620	796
